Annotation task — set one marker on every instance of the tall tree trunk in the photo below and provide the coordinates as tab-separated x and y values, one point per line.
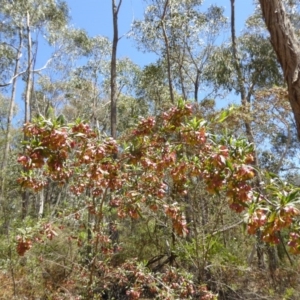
29	81
287	47
8	131
113	85
113	79
28	92
11	109
8	137
12	101
167	52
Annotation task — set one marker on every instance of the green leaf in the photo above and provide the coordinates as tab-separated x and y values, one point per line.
272	217
293	197
229	165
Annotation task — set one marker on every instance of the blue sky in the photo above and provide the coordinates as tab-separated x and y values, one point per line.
95	17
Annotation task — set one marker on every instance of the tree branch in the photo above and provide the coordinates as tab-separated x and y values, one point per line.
23	72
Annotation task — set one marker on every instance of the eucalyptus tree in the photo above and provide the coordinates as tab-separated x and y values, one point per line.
129	107
52	92
181	34
73	80
192	40
152	33
10	63
152	87
26	21
244	65
32	18
87	84
23	22
116	5
71	48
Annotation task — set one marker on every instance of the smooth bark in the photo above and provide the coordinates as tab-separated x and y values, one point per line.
166	40
113	79
29	81
12	102
28	92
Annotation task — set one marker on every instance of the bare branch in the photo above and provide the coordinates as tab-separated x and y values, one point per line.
23	72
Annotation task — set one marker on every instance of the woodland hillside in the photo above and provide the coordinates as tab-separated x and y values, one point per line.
178	179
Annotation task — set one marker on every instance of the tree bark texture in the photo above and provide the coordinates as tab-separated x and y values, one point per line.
12	102
113	79
28	93
29	80
167	51
287	48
